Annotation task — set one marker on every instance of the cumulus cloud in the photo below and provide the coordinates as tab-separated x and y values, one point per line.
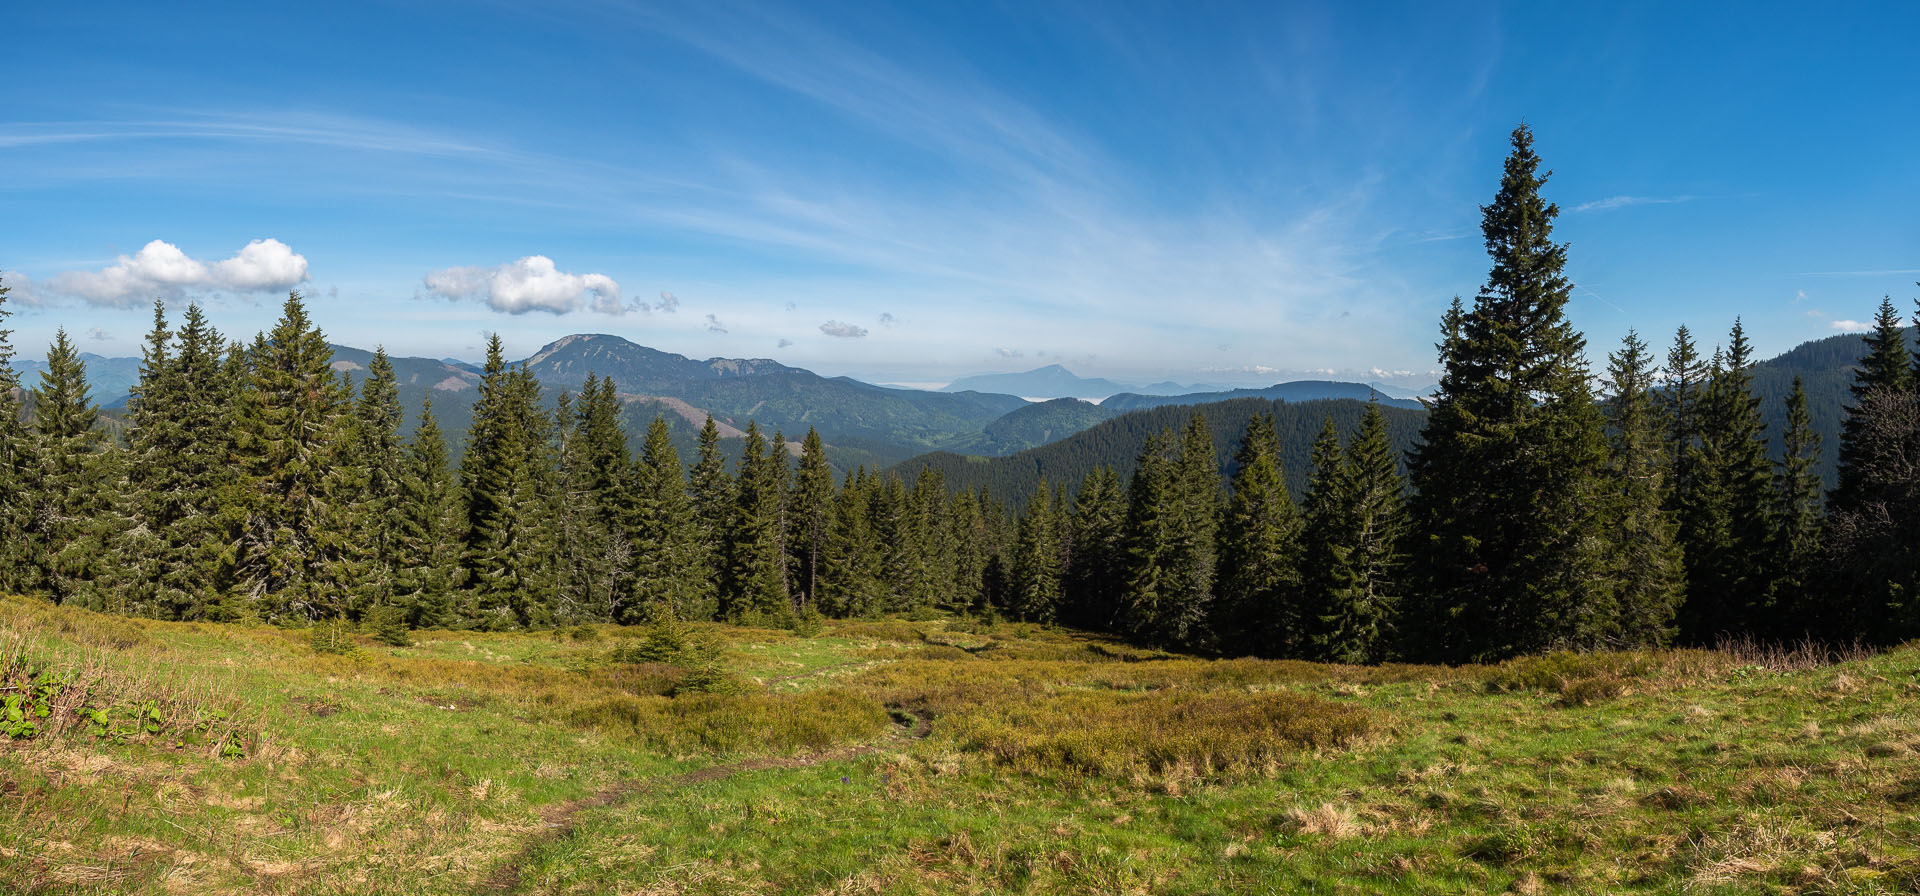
99	335
160	268
1851	326
1009	353
714	325
843	331
887	319
785	342
668	302
20	289
533	283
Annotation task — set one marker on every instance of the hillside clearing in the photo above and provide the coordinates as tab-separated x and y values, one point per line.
936	756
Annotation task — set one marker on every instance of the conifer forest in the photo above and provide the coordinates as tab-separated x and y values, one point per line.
1560	496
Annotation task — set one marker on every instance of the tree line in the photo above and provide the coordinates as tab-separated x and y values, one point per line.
1534	512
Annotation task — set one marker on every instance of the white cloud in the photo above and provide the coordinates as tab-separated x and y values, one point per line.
20	289
1613	202
785	342
842	330
99	334
160	268
1009	352
1851	326
714	325
668	302
531	284
887	319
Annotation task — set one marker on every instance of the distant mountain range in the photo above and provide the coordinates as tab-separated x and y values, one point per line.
1055	381
877	426
1304	390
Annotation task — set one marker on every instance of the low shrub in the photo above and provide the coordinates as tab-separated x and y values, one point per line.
1132	735
738	723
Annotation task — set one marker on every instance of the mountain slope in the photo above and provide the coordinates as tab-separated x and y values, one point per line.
1032	426
1303	390
1051	381
1117	443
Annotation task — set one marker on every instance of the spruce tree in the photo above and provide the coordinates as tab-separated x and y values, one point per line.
507	472
1685	384
299	554
1354	619
1874	520
668	551
430	541
1257	612
378	450
930	535
754	581
850	564
1172	521
182	498
1798	520
70	520
811	515
711	491
1324	536
595	575
1096	565
1646	564
1513	550
968	531
1036	561
17	546
1727	521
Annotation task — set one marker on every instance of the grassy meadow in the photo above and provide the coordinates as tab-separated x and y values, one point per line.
937	756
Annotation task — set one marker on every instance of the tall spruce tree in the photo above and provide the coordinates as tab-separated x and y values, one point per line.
183	499
377	448
17	546
1646	561
1096	565
1036	561
754	581
1727	520
507	473
299	557
811	515
850	565
1363	580
1514	549
1798	520
711	492
430	541
668	552
596	553
1685	384
970	550
1172	522
1874	523
1257	610
70	521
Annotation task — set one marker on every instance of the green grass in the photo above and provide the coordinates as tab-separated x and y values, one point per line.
940	757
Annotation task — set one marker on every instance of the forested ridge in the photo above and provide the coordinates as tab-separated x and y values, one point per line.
254	481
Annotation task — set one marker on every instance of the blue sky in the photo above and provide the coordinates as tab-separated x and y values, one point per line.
906	193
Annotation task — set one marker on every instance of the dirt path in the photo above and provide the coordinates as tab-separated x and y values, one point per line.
562	820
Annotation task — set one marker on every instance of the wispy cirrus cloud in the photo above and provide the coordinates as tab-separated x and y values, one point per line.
1618	202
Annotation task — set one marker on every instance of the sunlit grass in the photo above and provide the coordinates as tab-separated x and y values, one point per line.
945	756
